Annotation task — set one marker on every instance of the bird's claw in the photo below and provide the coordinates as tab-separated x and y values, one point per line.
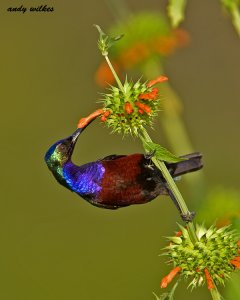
188	217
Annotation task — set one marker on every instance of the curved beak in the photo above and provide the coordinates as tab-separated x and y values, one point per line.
73	139
75	135
83	123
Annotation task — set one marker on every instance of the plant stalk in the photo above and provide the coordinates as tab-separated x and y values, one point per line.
215	294
173	188
114	74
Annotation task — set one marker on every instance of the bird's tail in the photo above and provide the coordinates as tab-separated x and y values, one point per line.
192	163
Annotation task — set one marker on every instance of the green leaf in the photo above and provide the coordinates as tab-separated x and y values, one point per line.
161	153
233	6
105	42
176	11
113	40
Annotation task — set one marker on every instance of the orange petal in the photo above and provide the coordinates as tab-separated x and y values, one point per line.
149	96
235	263
179	233
128	108
143	107
103	119
147	109
167	279
155	90
238	243
157	80
85	121
209	279
107	113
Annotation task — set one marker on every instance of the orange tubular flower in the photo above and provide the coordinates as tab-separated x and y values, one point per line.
103	119
143	107
149	96
167	279
157	80
128	108
179	233
209	279
238	243
236	262
107	113
237	258
84	121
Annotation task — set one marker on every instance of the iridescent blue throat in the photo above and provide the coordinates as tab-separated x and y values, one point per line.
85	179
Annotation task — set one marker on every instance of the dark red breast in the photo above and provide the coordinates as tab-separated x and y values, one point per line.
130	179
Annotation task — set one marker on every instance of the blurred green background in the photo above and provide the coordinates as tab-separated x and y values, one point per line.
54	245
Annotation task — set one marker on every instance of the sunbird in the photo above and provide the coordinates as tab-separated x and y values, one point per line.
114	181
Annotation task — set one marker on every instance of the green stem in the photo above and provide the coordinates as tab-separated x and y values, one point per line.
215	294
174	189
115	74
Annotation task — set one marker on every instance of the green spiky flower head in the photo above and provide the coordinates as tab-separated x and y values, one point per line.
212	259
128	109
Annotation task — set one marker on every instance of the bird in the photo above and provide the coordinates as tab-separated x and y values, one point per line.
114	181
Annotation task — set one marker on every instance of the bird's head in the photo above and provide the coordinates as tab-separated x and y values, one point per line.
60	152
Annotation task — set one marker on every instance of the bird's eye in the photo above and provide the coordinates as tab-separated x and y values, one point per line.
62	147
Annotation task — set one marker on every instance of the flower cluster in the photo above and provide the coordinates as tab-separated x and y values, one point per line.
127	110
212	259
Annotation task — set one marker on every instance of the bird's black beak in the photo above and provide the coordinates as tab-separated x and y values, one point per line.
73	139
75	135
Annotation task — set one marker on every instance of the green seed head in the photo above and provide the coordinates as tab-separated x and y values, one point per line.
214	251
129	110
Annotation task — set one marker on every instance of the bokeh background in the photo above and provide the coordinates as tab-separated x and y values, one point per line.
54	245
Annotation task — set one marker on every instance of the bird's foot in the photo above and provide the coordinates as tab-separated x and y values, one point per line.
188	217
150	154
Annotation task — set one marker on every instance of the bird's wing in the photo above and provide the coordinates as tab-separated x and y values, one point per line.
113	157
